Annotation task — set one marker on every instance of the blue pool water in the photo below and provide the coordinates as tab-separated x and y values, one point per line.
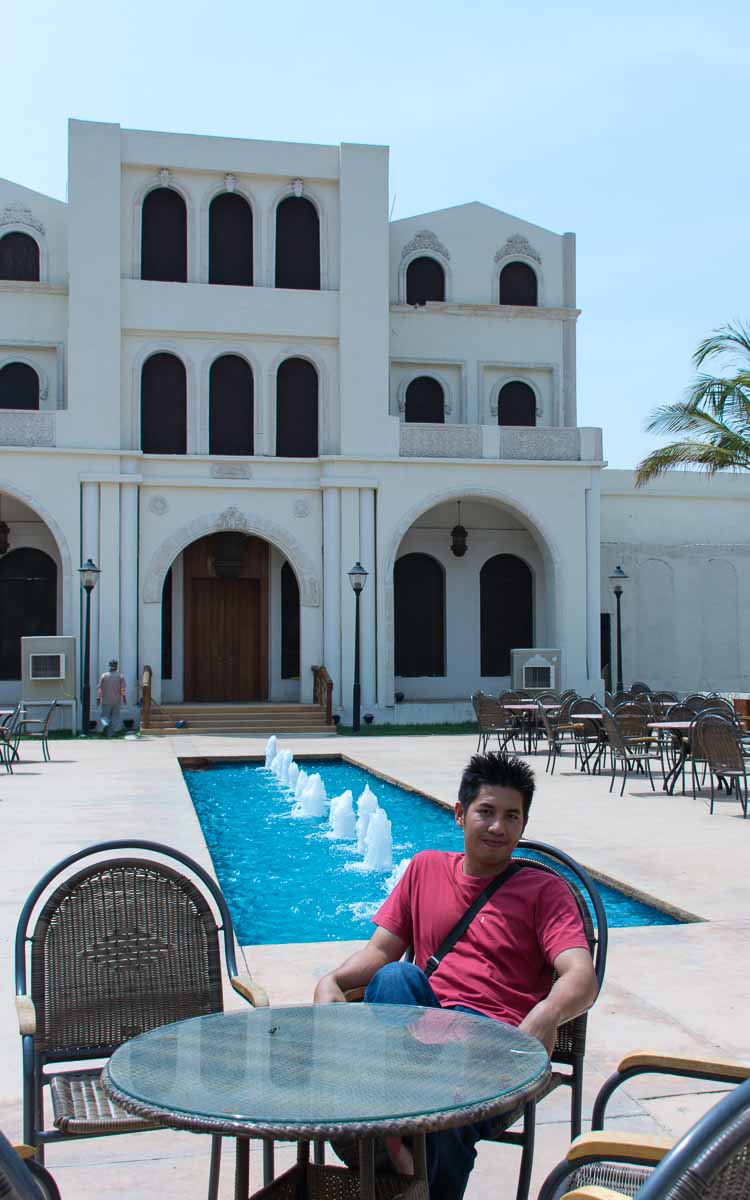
285	881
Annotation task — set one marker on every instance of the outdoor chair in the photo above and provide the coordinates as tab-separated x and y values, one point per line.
711	1162
569	1051
664	698
587	735
105	951
696	701
555	732
38	727
10	735
719	743
640	689
21	1177
620	698
493	721
633	752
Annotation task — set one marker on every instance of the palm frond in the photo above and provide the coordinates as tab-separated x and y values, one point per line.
706	456
730	337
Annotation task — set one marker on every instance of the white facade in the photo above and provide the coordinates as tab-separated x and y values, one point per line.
75	482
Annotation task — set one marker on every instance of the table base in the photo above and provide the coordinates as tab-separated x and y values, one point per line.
339	1183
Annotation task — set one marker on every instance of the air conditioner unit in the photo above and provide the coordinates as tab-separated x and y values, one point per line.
46	666
536	670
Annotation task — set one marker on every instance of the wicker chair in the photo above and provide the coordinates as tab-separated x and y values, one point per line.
587	734
640	689
21	1177
570	1048
555	733
712	1161
493	721
664	698
38	727
696	701
719	743
106	951
10	735
633	752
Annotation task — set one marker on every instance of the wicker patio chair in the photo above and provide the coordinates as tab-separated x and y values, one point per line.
21	1177
570	1048
105	951
555	733
711	1162
587	735
640	689
493	721
664	698
620	698
696	701
720	744
633	754
38	727
10	735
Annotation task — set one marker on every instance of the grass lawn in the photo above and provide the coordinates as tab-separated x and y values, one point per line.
408	730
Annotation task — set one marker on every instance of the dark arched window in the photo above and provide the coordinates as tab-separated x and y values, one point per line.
297	409
419	608
516	404
297	244
518	284
19	257
424	401
505	604
28	604
19	386
164	236
230	421
166	626
425	280
163	405
230	240
289	623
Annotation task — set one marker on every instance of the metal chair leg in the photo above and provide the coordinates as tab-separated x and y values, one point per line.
268	1164
527	1151
213	1173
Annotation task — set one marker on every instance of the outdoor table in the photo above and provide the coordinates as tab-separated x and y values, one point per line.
321	1071
527	710
679	727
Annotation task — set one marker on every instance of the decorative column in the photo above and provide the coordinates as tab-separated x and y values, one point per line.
129	589
593	583
90	550
569	415
369	595
332	588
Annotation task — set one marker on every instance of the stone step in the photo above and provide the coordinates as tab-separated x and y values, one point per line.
244	731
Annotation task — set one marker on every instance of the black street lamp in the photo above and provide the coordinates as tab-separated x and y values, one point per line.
616	579
358	579
89	573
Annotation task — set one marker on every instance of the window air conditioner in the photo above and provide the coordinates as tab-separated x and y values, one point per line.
46	666
536	670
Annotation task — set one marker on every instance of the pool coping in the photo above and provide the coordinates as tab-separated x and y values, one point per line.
681	915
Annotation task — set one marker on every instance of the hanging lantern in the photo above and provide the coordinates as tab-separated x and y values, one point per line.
459	537
4	538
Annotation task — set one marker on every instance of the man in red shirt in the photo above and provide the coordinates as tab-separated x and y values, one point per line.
502	967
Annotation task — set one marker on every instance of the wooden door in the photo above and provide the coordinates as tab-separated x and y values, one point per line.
225	636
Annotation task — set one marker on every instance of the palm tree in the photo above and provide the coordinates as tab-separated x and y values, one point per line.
715	413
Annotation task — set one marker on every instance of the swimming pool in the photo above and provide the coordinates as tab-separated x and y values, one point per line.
285	881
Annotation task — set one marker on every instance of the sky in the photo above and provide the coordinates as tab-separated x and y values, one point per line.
626	124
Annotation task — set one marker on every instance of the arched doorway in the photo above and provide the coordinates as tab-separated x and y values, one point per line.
506	612
28	603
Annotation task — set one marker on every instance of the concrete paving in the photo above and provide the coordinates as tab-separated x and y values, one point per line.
679	988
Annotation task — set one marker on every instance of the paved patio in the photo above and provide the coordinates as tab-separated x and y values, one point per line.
680	988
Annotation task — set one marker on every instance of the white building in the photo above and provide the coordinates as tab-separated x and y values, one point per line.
225	337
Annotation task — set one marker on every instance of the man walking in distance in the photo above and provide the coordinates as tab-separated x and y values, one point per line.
111	695
502	967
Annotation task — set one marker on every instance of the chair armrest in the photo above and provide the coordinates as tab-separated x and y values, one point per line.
641	1148
25	1151
26	1014
701	1068
594	1193
353	995
249	990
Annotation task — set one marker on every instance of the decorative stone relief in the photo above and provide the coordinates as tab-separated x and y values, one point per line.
441	441
158	506
539	445
230	181
232	519
19	428
518	244
425	239
230	470
165	177
298	187
447	407
301	508
16	214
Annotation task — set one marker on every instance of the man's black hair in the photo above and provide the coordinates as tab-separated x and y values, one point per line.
497	769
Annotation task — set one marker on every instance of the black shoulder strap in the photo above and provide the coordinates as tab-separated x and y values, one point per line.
459	929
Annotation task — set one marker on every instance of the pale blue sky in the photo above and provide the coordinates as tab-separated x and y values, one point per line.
626	124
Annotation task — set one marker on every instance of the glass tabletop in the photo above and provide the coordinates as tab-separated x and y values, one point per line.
331	1064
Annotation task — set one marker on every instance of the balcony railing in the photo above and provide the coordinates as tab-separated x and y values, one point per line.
26	428
504	443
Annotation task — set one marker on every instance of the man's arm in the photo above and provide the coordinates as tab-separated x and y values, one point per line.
357	971
572	993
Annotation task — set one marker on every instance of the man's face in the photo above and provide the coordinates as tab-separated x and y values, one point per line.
493	825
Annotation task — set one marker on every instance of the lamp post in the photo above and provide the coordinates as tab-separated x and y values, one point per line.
616	579
89	573
358	579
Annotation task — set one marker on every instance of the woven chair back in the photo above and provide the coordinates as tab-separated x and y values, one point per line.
621	698
614	734
717	705
664	698
11	725
548	698
696	701
632	719
640	689
509	697
717	740
680	712
545	723
121	947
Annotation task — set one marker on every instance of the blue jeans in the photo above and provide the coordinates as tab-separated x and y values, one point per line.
450	1154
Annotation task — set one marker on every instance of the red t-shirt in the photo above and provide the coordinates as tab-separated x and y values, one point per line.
502	966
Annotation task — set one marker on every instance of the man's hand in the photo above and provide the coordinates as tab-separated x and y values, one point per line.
541	1023
328	991
383	947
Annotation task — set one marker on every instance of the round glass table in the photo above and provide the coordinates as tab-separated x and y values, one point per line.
326	1071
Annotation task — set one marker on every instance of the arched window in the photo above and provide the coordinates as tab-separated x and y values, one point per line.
19	386
505	611
28	604
297	409
425	401
163	405
518	284
164	236
230	421
419	611
19	257
425	280
516	404
230	240
289	623
297	244
166	626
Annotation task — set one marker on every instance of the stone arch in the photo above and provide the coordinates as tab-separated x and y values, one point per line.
231	520
63	549
416	373
315	197
149	185
324	391
220	189
502	260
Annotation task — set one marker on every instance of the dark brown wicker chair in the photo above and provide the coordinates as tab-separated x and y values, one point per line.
493	721
696	701
587	733
105	951
556	733
718	742
634	753
711	1162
